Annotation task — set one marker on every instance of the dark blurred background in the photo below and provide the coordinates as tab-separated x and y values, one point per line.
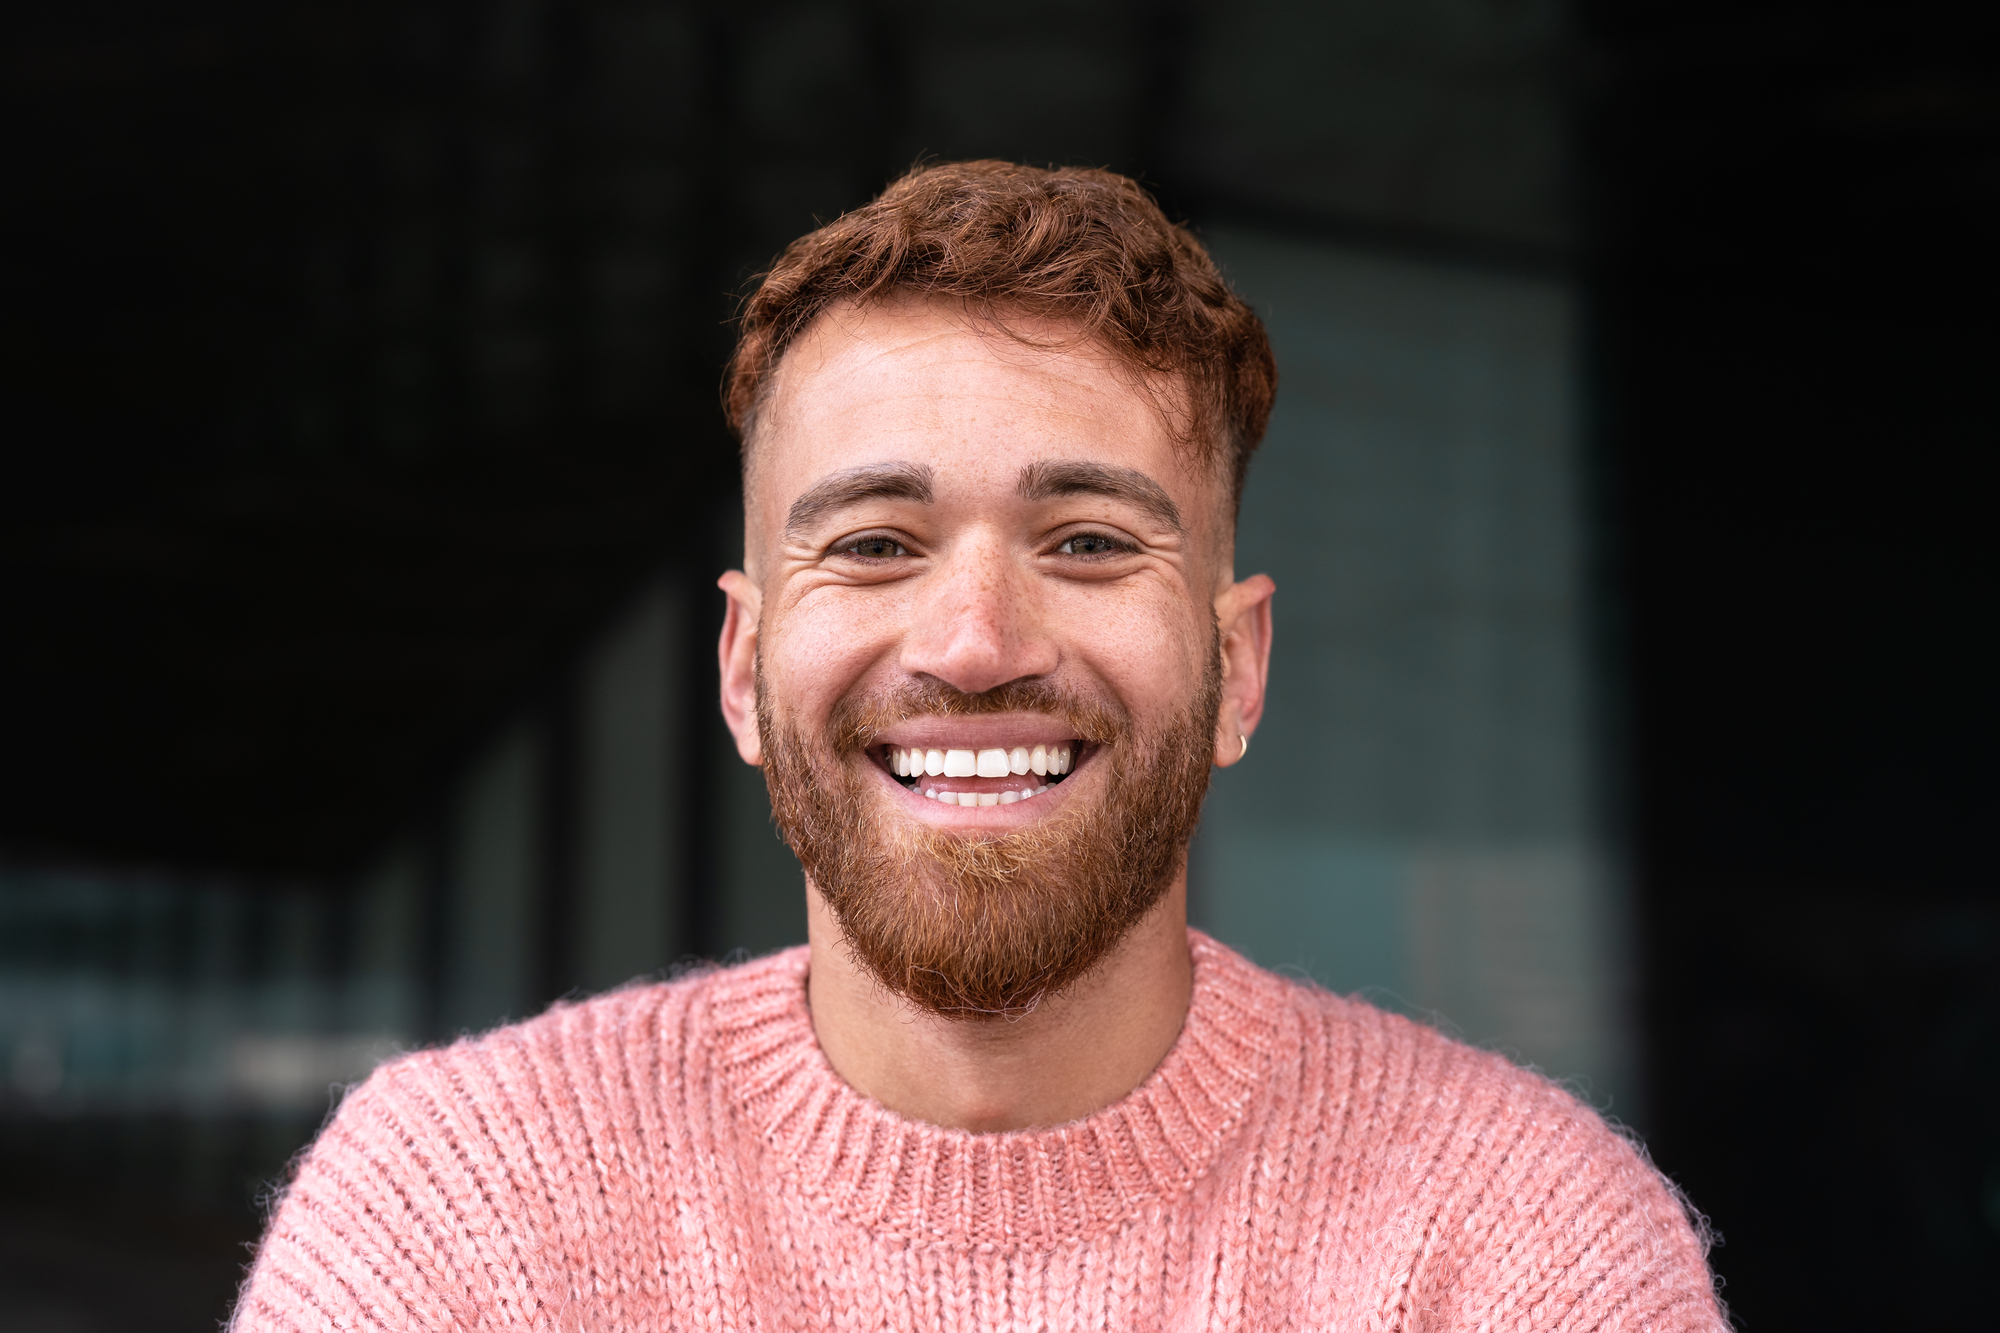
364	489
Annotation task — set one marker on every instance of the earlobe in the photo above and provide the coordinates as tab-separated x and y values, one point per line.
1230	743
1243	613
736	657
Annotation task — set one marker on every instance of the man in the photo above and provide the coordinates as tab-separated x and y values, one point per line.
986	643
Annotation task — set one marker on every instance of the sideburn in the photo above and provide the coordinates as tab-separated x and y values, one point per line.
989	926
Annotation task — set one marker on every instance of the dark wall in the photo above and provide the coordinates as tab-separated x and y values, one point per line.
1794	209
354	351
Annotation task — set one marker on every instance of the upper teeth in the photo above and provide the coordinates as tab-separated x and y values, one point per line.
995	763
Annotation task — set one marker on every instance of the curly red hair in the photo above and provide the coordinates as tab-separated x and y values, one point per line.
1090	249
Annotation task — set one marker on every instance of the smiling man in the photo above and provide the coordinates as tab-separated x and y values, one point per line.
987	644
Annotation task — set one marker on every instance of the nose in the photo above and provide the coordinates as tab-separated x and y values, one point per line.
977	622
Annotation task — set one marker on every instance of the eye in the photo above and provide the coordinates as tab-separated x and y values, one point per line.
874	546
1093	544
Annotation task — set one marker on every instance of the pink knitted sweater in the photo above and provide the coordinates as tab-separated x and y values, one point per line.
683	1157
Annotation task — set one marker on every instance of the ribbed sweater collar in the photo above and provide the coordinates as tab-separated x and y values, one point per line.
867	1164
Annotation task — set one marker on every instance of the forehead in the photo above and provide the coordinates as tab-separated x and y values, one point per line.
922	382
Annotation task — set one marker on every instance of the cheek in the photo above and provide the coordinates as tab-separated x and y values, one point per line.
1151	650
820	649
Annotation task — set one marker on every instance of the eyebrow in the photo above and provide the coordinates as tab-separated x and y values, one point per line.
1046	481
873	481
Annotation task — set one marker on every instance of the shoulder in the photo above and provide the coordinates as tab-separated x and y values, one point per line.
1497	1184
456	1177
1401	1081
579	1061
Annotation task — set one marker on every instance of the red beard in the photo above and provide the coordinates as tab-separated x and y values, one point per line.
974	926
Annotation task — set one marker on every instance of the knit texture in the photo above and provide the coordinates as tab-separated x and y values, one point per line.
682	1156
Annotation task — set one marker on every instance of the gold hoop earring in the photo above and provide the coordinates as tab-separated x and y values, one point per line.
1246	746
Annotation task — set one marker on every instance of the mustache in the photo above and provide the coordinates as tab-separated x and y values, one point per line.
858	720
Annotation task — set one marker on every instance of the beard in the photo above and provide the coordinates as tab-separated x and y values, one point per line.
976	926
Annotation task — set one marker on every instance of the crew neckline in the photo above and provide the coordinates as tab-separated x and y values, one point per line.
871	1166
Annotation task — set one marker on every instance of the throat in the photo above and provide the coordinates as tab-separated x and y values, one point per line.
1072	1056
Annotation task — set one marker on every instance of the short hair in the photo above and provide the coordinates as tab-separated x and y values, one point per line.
1088	248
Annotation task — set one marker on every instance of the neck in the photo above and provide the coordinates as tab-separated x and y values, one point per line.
1075	1054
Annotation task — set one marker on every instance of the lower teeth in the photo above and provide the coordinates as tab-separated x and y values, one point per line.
974	798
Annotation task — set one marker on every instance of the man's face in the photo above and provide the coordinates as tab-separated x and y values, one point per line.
979	646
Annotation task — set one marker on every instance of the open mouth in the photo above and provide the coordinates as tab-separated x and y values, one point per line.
995	775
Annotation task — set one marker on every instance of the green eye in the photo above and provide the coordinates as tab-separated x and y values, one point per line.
876	548
1090	543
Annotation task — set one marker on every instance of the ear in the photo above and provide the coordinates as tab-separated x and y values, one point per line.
1243	613
736	654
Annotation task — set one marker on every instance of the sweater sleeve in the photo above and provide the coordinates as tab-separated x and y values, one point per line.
1562	1225
389	1224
